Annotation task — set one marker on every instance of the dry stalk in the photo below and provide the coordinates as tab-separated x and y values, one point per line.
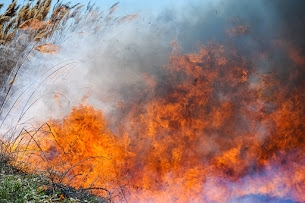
22	14
10	26
11	9
44	10
10	36
4	19
78	164
35	9
39	12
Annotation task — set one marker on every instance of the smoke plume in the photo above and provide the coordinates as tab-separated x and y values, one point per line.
233	70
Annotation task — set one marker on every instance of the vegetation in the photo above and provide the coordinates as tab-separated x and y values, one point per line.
22	29
21	26
17	186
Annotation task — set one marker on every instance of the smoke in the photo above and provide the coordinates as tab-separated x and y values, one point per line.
119	54
105	62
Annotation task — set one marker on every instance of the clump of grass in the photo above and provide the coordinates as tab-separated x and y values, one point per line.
17	186
21	188
21	26
13	20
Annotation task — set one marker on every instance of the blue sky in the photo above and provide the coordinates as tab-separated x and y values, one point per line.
125	6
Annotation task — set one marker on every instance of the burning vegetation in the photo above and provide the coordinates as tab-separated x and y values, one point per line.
210	126
212	129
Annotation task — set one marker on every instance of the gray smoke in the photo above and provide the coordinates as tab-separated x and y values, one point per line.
107	65
97	64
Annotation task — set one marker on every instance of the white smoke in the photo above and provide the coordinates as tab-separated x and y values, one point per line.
94	63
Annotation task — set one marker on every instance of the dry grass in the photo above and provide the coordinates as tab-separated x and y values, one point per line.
32	28
40	186
15	18
23	29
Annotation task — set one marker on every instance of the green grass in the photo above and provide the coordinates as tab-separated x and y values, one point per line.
19	187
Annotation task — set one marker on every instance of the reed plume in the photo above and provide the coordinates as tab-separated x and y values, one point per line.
20	25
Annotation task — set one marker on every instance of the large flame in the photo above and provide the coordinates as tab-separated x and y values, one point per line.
211	127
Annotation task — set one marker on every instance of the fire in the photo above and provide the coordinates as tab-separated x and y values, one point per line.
211	128
80	146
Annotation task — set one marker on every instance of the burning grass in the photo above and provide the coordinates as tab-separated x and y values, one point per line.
18	186
22	30
212	125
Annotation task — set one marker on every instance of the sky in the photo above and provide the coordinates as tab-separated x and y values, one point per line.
142	8
130	6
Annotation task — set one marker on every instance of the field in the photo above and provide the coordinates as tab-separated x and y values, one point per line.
199	101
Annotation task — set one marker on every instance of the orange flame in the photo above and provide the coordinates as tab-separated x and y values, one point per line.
214	129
